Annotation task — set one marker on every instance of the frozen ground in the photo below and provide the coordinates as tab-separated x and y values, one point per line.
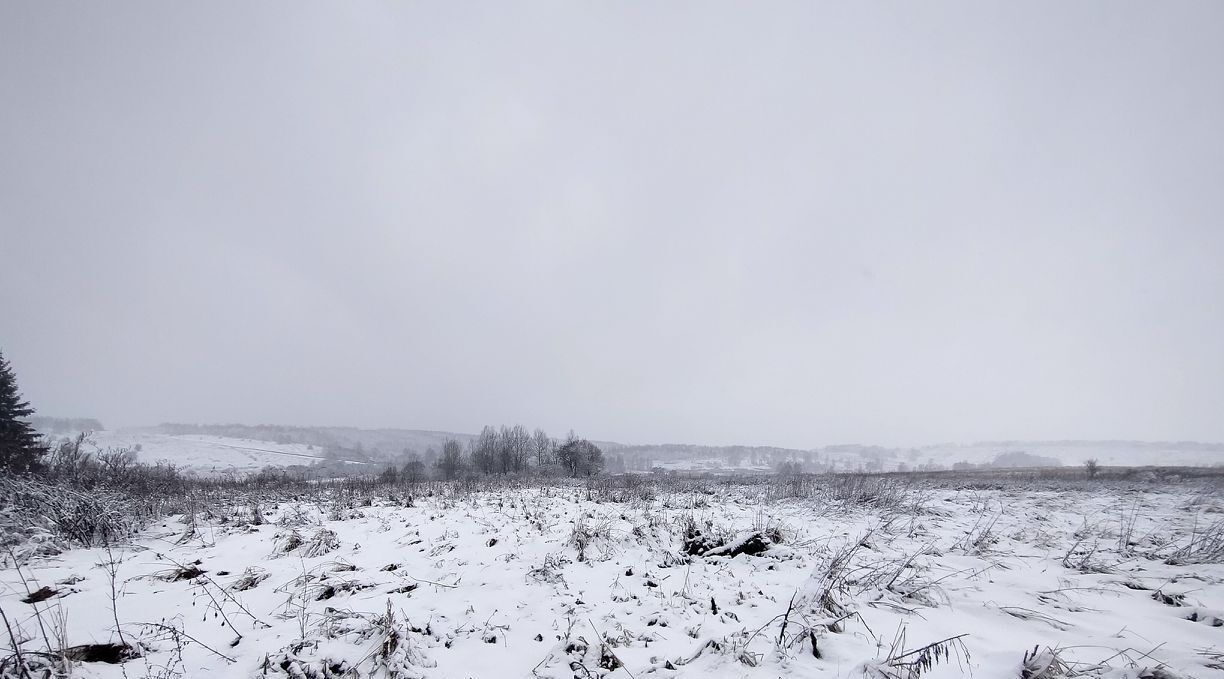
560	581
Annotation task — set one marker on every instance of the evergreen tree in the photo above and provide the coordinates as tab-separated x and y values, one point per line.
20	446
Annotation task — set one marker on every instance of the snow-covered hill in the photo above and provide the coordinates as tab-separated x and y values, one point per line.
206	454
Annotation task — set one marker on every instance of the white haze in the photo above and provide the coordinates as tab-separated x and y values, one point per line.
784	224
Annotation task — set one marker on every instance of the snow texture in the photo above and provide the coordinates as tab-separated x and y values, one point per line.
554	581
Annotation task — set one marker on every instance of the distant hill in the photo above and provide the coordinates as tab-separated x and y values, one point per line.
1109	453
210	448
375	443
856	457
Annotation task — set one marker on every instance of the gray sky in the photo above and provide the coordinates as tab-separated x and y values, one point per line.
780	223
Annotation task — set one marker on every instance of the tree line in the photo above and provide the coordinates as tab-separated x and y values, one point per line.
505	450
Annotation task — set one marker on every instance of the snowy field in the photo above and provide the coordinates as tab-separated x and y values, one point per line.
205	455
848	577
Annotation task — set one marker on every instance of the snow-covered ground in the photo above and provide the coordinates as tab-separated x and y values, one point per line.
206	455
554	582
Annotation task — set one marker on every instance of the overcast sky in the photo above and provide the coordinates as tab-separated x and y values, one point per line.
781	223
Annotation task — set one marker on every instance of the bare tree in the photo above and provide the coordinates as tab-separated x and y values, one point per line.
450	464
517	443
414	469
580	457
389	475
1092	467
485	451
544	448
505	452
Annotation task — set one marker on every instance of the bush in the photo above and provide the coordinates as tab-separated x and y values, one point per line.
34	510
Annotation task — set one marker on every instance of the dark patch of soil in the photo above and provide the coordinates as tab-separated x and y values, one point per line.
41	595
697	543
1169	599
754	545
107	653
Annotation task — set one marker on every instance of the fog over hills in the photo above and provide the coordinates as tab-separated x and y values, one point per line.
214	448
